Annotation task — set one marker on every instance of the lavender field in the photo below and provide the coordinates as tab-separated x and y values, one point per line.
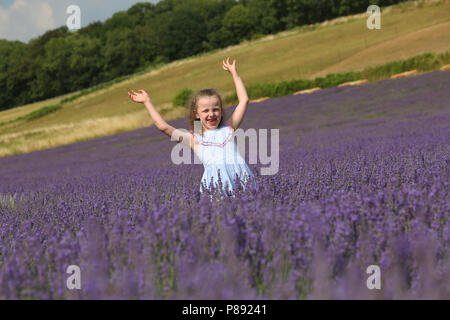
363	180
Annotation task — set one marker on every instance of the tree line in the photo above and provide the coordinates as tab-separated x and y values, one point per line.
145	35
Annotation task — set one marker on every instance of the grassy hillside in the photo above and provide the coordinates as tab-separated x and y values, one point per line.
344	44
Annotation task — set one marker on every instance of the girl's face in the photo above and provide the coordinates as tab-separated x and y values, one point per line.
209	112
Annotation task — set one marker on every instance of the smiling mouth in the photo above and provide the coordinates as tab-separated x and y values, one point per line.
212	122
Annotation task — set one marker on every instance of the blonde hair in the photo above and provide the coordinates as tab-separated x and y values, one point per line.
193	105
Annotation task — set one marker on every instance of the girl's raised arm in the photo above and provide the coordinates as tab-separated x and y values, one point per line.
163	126
239	112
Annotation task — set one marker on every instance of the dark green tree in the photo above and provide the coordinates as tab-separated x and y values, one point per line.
215	12
141	10
94	30
265	16
36	46
125	50
181	32
120	20
238	24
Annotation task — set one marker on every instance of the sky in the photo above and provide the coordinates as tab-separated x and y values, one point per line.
25	19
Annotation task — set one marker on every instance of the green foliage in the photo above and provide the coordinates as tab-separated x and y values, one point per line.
423	62
238	23
266	16
73	60
9	51
121	20
126	50
40	112
182	31
161	60
36	46
141	10
93	30
182	97
335	79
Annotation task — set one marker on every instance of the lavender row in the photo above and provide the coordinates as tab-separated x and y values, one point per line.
363	180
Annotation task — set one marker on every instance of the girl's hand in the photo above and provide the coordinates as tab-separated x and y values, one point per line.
140	97
229	67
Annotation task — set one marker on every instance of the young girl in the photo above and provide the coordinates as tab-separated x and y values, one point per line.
214	142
